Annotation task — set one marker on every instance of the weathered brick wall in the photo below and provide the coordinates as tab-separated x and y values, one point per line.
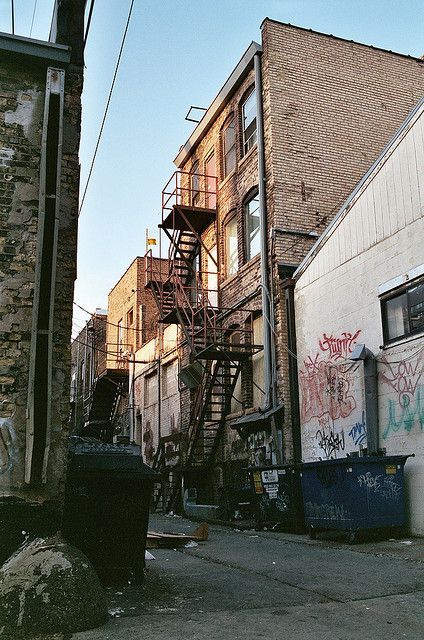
128	294
330	106
22	89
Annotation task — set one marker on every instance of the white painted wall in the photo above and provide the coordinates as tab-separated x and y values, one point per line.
379	237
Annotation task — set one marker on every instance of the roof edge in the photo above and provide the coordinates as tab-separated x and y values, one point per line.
43	51
218	104
330	35
362	184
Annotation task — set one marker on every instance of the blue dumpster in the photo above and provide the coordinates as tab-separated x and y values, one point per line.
354	494
277	496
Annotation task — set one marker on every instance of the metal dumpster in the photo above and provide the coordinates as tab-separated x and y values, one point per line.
107	503
354	494
278	496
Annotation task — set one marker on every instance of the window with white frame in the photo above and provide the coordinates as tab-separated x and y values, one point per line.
403	311
248	119
231	246
253	227
229	146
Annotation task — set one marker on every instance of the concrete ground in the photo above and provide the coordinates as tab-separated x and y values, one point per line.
249	584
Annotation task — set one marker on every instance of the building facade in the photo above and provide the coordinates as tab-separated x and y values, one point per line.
363	283
291	132
40	87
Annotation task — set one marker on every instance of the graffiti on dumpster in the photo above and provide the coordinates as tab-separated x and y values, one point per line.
381	485
326	511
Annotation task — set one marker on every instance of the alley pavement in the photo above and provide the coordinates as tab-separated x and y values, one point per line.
267	584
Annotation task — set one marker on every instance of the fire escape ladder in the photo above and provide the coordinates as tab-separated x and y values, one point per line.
167	491
211	405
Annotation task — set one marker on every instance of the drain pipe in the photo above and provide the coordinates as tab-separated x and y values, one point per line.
268	317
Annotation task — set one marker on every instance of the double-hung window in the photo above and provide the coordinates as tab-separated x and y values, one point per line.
403	311
229	146
231	247
248	117
253	227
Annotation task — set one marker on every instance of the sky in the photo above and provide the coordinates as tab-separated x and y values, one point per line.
177	53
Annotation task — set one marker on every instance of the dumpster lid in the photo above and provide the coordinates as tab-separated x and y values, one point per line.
256	421
354	460
94	456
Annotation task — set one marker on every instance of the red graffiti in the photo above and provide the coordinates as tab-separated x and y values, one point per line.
339	347
404	376
325	390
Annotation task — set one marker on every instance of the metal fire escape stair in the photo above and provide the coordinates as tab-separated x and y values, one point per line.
105	393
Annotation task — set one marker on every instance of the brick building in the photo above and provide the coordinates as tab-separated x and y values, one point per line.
293	129
40	116
103	356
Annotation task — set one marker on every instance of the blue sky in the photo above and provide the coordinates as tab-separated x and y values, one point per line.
178	53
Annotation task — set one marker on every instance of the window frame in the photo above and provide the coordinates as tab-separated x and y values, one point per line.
194	184
247	145
392	295
253	195
231	120
230	219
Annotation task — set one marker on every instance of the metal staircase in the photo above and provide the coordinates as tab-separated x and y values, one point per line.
183	298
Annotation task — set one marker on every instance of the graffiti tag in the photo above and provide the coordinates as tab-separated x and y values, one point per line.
326	511
384	486
331	443
339	347
404	376
409	416
325	389
358	432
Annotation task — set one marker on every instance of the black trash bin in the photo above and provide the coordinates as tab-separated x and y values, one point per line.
355	494
107	505
278	496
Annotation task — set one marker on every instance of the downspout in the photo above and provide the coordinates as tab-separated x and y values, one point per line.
267	306
288	286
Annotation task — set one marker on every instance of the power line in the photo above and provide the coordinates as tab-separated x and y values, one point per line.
13	17
113	324
87	29
107	107
33	16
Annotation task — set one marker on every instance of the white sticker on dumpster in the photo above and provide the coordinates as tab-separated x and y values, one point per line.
272	491
269	476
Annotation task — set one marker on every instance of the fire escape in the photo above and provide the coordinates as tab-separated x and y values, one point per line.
218	341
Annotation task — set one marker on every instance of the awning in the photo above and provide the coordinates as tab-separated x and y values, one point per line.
257	421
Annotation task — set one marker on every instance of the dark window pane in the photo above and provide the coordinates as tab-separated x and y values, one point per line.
397	316
229	144
416	307
253	239
249	122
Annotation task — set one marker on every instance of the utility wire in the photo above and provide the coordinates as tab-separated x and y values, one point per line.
87	29
33	16
13	17
107	107
113	324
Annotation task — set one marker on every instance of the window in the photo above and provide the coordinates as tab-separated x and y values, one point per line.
130	317
231	247
229	146
194	184
403	312
120	336
210	171
248	116
253	227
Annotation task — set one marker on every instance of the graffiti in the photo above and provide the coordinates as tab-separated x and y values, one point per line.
282	502
339	347
384	486
326	511
8	446
325	390
404	376
358	432
409	416
331	443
